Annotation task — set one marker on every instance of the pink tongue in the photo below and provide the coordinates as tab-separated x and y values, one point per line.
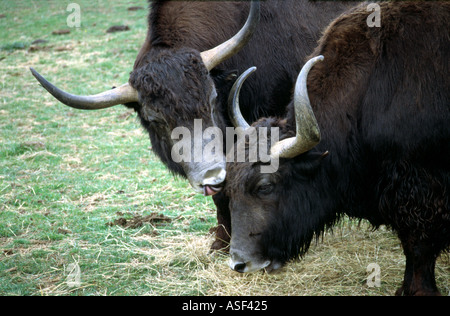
207	190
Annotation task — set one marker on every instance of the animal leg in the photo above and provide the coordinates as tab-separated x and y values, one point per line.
223	230
419	279
415	203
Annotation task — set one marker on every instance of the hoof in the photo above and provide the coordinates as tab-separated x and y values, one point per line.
402	292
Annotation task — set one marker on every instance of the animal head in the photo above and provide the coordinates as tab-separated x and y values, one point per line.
171	88
265	230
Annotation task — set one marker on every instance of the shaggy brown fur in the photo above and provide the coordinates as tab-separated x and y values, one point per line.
382	100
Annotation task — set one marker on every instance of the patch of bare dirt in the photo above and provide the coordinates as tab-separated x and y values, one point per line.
118	28
138	221
136	8
61	32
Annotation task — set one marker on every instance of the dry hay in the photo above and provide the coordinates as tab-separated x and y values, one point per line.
336	265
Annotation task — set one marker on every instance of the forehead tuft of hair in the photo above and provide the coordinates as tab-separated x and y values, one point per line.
174	82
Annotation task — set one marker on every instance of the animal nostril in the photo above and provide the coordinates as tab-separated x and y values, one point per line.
214	176
239	267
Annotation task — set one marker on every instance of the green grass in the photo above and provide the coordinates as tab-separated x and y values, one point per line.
65	174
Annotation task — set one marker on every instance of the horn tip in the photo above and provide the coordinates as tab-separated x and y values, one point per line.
35	73
317	59
248	72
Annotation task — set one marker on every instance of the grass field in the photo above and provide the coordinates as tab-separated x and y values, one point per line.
87	209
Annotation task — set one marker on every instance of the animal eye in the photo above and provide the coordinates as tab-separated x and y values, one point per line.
265	188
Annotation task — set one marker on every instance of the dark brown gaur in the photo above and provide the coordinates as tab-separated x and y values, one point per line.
384	145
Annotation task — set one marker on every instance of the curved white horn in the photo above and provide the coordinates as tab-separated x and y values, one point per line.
121	95
234	110
307	129
215	56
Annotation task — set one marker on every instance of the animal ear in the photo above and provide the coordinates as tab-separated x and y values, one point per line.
231	76
224	76
310	162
